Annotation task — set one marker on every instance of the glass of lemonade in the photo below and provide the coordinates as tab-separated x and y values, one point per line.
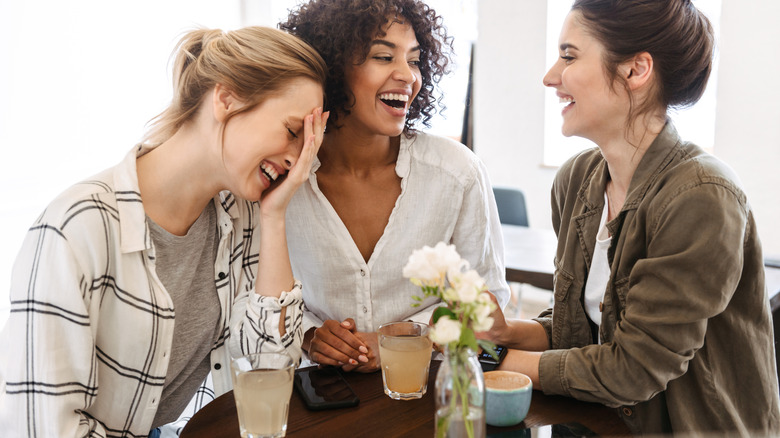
262	386
405	356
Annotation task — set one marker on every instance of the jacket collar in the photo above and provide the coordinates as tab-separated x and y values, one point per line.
656	158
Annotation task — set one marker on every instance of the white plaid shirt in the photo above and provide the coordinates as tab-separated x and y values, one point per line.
86	347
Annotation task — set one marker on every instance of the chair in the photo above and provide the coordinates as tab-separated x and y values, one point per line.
511	206
525	300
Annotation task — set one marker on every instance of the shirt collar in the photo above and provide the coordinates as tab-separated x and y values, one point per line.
134	232
402	165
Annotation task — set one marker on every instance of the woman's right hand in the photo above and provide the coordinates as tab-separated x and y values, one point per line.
499	332
275	199
334	343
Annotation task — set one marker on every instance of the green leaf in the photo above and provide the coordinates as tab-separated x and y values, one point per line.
443	311
468	339
489	347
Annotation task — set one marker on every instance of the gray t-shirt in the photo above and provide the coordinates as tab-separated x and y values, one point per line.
185	266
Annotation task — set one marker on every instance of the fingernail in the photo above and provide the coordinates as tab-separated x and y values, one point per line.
345	323
363	349
353	361
363	358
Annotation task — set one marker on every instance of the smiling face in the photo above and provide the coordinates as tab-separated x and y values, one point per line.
260	145
385	84
593	108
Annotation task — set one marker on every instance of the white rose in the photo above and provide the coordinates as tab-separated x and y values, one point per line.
468	286
484	325
420	268
445	330
431	264
483	307
447	258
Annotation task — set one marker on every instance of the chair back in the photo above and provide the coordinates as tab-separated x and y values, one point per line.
511	206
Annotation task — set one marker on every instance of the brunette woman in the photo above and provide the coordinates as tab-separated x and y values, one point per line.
660	306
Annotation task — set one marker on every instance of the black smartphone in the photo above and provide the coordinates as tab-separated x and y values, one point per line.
324	388
487	361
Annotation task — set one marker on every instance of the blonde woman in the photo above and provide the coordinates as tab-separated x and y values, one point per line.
136	283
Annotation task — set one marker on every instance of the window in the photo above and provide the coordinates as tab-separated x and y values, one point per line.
695	124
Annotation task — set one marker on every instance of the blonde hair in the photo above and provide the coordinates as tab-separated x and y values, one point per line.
253	62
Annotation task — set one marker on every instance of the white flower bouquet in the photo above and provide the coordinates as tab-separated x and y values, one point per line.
441	272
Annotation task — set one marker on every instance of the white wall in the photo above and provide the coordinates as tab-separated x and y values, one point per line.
509	99
65	117
747	126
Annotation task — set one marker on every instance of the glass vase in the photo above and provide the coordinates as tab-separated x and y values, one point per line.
460	395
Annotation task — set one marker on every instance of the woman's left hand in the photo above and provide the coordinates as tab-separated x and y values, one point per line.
275	199
372	341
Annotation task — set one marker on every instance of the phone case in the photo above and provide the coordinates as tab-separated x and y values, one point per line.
324	388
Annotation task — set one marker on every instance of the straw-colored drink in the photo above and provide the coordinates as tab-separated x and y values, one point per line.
262	386
405	356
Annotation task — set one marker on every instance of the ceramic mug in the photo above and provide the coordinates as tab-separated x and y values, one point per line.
507	397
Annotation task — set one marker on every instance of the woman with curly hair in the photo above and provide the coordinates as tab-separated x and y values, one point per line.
379	188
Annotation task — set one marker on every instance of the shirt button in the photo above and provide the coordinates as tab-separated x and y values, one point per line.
222	275
362	273
365	309
217	366
628	412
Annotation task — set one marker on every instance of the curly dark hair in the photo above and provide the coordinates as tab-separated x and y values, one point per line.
342	31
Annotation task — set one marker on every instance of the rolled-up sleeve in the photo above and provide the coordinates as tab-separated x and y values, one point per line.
688	276
257	329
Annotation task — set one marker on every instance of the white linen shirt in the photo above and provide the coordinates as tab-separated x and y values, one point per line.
445	196
86	347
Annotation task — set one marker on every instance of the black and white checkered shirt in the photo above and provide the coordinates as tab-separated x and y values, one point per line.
86	347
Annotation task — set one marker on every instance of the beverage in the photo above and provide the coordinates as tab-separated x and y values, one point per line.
405	355
405	362
262	401
262	396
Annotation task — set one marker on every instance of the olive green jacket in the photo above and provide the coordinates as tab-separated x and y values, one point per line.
686	329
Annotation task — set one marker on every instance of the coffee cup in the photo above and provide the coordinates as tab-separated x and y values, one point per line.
507	397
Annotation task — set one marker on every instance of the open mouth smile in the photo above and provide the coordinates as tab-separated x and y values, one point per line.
269	172
395	100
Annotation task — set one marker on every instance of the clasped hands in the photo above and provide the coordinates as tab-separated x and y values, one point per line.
340	344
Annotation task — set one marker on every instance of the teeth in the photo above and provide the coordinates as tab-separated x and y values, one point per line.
394	96
269	171
566	100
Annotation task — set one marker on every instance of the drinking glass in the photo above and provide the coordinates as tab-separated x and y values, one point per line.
405	356
262	386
